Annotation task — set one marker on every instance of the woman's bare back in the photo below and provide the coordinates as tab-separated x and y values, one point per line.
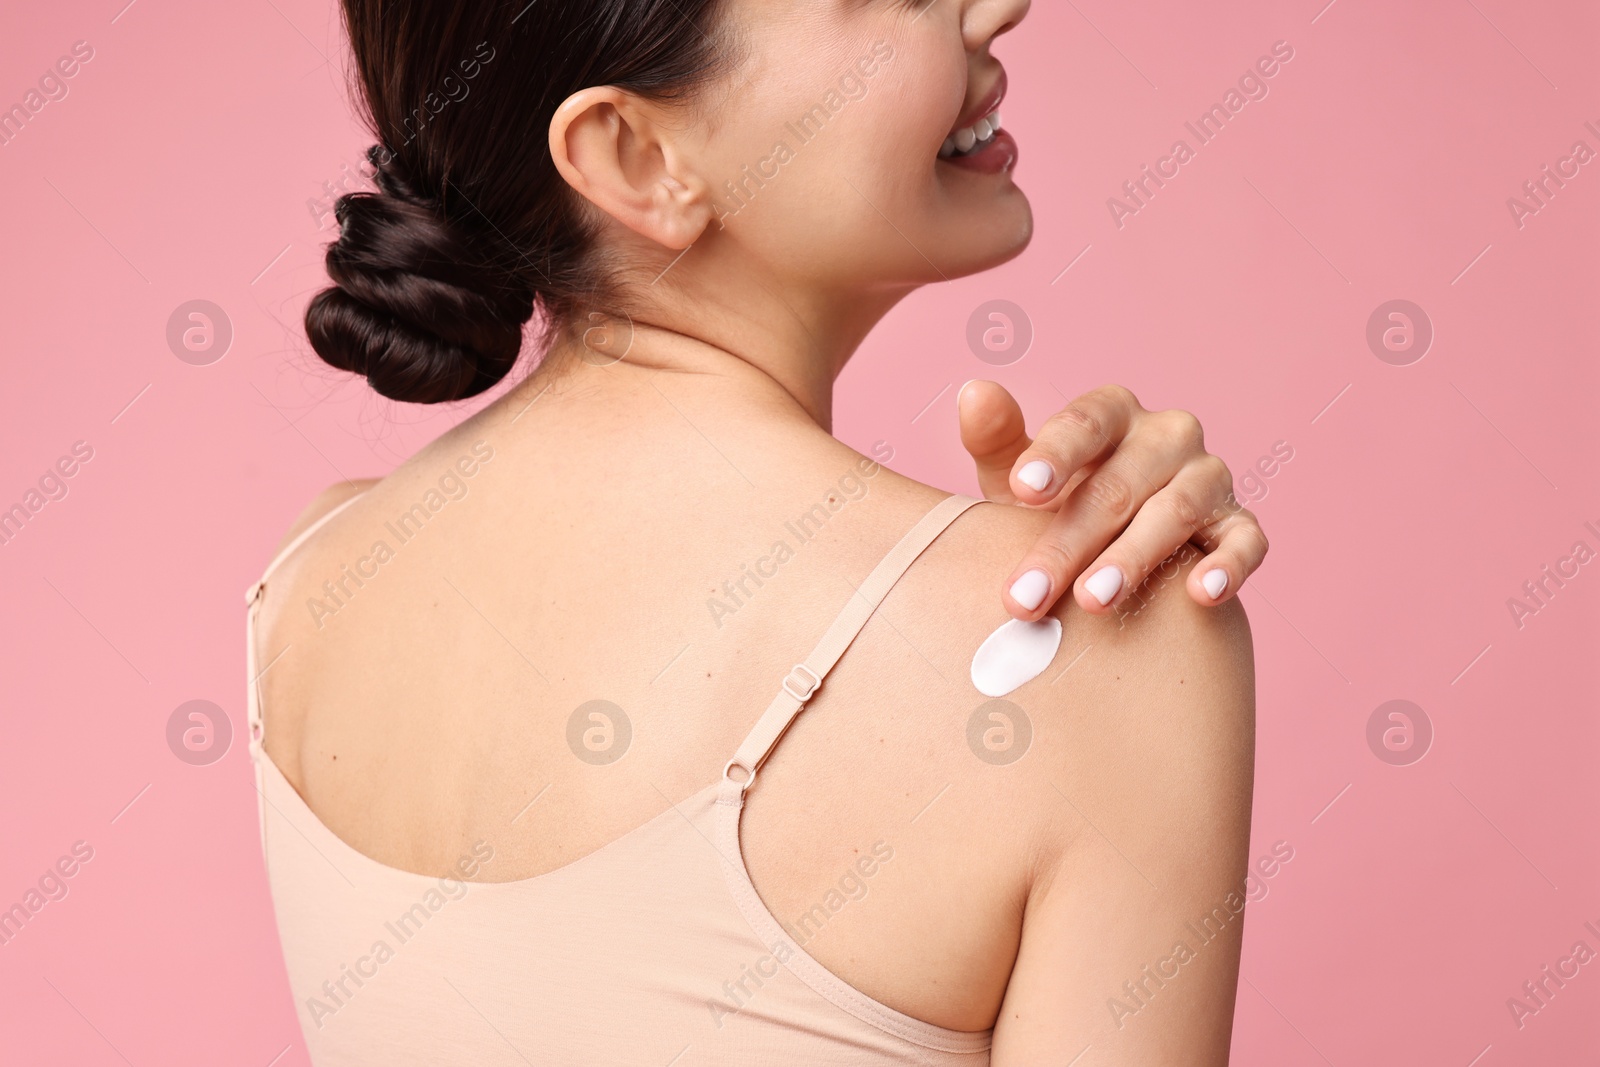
435	651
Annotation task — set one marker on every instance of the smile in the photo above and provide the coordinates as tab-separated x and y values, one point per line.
978	142
970	140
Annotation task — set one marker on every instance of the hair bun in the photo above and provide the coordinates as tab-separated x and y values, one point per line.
419	307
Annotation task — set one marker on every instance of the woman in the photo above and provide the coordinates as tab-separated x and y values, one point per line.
520	799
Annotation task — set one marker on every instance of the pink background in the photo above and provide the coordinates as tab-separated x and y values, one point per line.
1418	500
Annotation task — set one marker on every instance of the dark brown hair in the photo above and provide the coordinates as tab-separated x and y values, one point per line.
473	228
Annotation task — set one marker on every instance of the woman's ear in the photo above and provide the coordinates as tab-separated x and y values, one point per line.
612	147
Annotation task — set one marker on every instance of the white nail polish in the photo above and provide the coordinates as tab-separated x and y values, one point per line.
1215	581
1104	583
1036	475
1029	590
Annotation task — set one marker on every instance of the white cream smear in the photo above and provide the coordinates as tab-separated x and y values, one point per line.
1016	653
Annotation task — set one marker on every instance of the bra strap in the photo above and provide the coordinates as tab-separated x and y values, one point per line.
806	676
300	539
252	599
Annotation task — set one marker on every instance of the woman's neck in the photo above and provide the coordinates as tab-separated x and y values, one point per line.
706	315
611	362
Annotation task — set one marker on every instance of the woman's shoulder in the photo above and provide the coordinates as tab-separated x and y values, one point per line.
1149	707
1135	738
421	486
322	505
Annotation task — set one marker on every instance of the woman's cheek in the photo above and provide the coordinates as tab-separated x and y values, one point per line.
916	100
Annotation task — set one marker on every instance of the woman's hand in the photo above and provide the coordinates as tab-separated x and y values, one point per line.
1129	488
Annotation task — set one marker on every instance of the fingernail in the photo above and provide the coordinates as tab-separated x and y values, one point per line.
1104	583
1029	590
1215	581
1036	475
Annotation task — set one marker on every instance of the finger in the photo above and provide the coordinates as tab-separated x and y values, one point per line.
1090	517
993	431
1087	429
1158	539
1239	547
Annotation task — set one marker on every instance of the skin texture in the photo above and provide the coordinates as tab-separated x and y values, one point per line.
641	470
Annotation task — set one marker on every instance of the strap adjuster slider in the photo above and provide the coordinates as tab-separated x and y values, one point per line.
811	681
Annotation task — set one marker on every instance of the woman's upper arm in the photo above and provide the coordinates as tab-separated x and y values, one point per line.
1132	930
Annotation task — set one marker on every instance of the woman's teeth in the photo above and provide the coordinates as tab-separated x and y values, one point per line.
972	138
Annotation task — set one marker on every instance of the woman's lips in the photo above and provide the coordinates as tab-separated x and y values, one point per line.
996	149
989	104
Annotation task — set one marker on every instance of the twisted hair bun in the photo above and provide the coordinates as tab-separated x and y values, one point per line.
432	286
427	308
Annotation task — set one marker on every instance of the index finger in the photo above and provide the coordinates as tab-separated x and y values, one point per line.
1086	430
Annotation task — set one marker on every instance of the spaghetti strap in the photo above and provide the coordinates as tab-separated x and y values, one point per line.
252	599
806	676
300	539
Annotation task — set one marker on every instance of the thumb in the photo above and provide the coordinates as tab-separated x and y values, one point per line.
994	433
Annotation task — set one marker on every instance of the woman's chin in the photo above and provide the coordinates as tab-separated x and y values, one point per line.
1004	236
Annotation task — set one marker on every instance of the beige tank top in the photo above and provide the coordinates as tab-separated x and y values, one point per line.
655	950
